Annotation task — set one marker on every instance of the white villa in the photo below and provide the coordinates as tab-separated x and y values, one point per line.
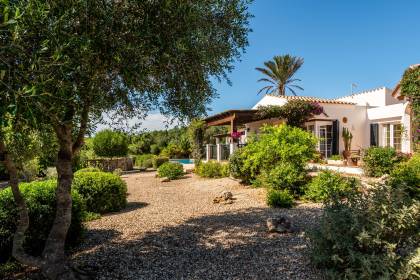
377	117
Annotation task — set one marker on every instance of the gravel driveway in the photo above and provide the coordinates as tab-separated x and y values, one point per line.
174	231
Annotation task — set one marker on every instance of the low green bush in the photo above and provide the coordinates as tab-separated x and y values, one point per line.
284	176
328	184
158	161
407	176
370	235
109	143
145	160
279	198
171	170
102	192
378	161
212	169
88	169
40	199
236	166
335	157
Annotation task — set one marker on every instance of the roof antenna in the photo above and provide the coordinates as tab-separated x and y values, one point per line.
352	87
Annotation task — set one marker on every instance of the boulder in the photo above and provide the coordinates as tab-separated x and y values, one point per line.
226	198
280	224
165	179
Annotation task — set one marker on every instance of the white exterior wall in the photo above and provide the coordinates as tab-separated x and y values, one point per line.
377	97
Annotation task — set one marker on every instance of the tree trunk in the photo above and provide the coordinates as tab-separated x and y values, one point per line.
22	224
56	266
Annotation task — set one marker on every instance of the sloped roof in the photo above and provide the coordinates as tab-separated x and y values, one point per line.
314	99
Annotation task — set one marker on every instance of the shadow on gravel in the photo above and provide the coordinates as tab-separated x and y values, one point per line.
231	245
131	206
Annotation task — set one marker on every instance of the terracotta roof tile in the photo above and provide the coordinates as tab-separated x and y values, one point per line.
314	99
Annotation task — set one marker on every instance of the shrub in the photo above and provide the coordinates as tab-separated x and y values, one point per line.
30	170
40	199
328	184
236	166
117	171
275	145
369	235
283	176
154	149
158	161
279	198
407	176
335	157
102	192
378	161
108	143
88	169
212	169
145	160
171	170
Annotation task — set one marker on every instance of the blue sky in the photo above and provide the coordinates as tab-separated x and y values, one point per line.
369	43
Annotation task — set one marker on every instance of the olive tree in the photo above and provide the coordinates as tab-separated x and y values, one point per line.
79	59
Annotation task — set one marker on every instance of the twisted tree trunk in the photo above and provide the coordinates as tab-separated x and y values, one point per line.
56	266
22	224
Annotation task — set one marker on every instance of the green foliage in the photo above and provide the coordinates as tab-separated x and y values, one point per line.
212	169
279	74
280	198
158	161
40	199
284	176
275	145
154	149
171	170
196	132
145	160
294	112
378	161
406	176
328	184
410	89
87	169
108	143
370	235
335	157
102	192
174	151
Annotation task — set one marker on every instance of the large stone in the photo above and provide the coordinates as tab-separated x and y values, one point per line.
226	197
280	224
165	179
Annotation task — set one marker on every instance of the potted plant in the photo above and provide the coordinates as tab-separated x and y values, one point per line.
347	137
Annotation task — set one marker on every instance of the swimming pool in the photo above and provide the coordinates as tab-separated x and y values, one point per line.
183	160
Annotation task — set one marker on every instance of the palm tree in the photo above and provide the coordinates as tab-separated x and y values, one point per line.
280	72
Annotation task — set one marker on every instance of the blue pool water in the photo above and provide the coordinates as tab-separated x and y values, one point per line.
183	160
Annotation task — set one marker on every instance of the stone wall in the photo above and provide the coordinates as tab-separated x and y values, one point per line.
110	164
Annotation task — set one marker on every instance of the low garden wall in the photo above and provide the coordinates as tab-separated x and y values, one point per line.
110	164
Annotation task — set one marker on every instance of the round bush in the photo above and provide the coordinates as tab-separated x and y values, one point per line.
212	169
171	170
40	199
378	161
328	184
407	177
102	192
108	143
284	176
158	161
279	198
88	169
145	160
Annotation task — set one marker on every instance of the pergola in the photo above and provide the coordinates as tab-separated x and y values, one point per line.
233	118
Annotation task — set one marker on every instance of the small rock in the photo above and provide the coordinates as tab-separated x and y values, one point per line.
279	224
225	198
227	195
165	179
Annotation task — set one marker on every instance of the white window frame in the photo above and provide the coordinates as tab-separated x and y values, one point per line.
391	134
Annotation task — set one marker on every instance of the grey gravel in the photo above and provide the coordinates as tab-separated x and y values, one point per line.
173	230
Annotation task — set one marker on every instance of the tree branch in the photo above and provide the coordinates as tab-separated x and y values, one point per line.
78	143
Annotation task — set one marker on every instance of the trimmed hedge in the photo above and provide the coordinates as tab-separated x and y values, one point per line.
103	192
212	169
88	169
171	170
40	199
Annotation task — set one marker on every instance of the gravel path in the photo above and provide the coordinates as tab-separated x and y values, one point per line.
173	231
